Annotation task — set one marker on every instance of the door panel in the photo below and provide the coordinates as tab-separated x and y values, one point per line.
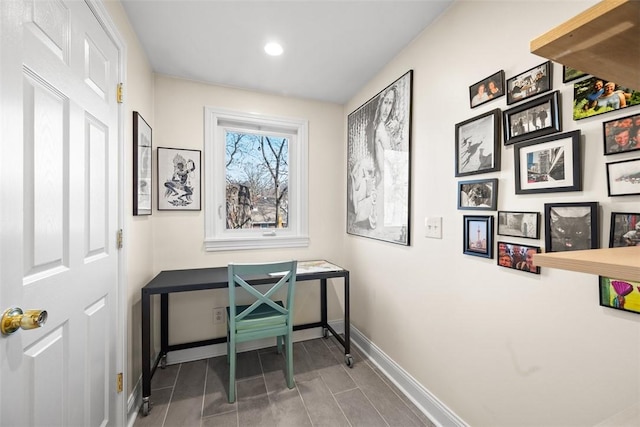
59	210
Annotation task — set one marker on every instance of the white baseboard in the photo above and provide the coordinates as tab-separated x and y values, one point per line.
438	412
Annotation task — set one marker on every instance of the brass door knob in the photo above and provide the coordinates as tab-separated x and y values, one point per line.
14	319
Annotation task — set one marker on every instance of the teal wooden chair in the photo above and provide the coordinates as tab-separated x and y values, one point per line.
264	317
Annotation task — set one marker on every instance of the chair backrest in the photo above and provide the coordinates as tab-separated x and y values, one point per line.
240	274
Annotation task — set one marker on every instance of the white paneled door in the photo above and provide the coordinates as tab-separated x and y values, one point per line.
59	163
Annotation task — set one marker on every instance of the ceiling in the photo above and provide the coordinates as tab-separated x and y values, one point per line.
331	47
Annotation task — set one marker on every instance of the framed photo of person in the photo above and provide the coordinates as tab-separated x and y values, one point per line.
478	144
518	257
621	135
480	194
570	74
595	96
179	172
534	81
623	178
519	224
571	226
378	165
625	229
142	165
487	89
551	164
533	119
620	294
478	236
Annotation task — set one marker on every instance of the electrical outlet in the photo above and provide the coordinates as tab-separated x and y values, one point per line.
218	315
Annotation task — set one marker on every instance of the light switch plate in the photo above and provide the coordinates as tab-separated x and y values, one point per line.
433	227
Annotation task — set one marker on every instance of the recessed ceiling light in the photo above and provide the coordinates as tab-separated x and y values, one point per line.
273	49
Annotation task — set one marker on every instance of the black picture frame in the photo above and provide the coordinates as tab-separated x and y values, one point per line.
479	194
478	144
179	179
624	230
550	164
621	135
477	237
623	178
519	224
571	226
590	100
517	256
380	208
619	294
533	119
487	89
535	81
570	74
142	166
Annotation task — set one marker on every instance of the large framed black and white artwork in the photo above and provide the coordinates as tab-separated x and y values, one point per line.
179	172
378	164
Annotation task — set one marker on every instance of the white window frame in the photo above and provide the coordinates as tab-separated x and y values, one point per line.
216	236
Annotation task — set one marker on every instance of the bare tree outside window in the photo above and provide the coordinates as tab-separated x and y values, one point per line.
257	181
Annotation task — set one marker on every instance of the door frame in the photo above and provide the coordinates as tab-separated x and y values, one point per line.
122	407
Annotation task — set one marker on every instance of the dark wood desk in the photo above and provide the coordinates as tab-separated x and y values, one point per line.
171	281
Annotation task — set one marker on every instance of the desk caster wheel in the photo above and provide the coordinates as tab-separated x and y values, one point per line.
325	333
146	407
163	362
348	359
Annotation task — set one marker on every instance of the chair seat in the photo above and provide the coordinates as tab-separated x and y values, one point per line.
262	317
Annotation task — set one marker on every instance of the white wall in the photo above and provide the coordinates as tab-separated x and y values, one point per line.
499	347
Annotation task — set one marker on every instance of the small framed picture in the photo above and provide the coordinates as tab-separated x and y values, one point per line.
518	257
478	236
487	89
625	229
623	178
478	144
519	224
571	226
620	294
179	172
621	135
530	83
533	119
480	194
548	165
595	96
570	74
142	168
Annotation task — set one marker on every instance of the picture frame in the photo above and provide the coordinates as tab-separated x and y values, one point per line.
479	194
378	177
623	178
533	119
517	256
142	166
533	82
487	89
478	236
570	74
179	179
550	164
519	224
619	294
478	144
621	135
594	96
624	229
571	226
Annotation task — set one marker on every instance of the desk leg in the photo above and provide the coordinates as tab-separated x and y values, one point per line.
323	306
146	351
164	329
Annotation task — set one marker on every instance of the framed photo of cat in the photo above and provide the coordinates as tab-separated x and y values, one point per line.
571	226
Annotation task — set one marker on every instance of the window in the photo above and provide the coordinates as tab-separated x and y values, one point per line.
255	181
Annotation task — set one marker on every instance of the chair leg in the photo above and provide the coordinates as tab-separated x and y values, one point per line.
279	344
289	356
231	355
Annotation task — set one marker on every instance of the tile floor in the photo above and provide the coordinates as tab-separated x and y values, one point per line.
327	392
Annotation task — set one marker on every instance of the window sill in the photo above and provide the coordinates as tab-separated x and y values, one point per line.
269	242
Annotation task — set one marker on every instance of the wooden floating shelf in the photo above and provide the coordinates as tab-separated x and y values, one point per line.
617	263
604	41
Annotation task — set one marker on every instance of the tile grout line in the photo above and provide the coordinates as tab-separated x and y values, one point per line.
173	389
